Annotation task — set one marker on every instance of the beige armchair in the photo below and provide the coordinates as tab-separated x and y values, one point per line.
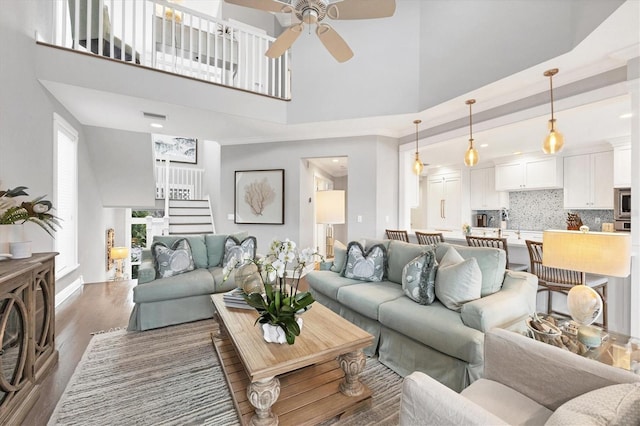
524	382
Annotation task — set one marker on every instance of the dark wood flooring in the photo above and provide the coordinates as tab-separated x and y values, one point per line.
96	307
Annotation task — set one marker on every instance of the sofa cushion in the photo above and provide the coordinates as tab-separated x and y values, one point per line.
237	251
215	246
418	278
434	326
339	256
195	283
174	260
365	298
196	241
401	253
492	263
458	281
610	405
223	285
508	404
366	265
328	283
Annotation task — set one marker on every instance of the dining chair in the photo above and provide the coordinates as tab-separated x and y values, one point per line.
397	234
429	238
496	242
562	280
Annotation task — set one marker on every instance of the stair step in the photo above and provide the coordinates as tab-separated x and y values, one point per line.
188	211
189	203
191	229
190	219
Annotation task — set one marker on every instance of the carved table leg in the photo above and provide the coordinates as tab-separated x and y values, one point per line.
222	330
262	395
352	364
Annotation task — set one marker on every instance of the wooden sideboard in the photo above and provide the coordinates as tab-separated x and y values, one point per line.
27	332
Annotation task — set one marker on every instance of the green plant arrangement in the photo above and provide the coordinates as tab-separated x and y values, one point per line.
37	210
280	303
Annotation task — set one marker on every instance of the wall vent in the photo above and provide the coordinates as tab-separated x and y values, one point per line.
154	116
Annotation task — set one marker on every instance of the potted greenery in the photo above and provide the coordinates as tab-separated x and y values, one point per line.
281	303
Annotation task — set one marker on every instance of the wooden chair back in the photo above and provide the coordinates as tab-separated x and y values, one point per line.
397	234
547	274
493	242
429	238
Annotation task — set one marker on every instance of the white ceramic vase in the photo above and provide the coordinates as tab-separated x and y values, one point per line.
10	234
275	334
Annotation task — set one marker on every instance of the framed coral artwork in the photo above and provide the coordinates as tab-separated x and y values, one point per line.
259	197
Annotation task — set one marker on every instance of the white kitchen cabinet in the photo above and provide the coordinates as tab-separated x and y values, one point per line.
482	191
622	166
529	174
444	201
588	181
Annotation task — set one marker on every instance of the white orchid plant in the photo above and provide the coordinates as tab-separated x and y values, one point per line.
281	300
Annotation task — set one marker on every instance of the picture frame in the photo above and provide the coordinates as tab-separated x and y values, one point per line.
177	149
259	197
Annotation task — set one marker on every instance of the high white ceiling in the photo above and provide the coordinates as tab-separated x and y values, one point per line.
586	119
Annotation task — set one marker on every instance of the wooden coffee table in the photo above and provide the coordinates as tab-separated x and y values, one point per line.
315	379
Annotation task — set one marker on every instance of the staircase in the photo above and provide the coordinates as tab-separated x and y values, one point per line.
190	217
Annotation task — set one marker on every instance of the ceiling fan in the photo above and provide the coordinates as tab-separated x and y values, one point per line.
313	12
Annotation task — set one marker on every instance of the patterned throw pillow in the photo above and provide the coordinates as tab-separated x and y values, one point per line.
365	266
419	277
236	250
172	261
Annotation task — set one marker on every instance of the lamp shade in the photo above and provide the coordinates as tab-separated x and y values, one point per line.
603	253
119	252
330	207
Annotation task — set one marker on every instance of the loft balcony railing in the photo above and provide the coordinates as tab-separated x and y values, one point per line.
173	38
178	183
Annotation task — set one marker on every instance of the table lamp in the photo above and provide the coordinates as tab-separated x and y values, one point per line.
119	254
603	253
330	211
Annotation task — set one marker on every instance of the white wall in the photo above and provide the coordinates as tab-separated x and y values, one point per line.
26	138
363	190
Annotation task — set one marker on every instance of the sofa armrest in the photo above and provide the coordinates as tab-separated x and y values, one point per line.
193	283
515	300
146	272
426	401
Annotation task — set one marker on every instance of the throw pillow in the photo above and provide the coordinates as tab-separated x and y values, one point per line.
365	266
418	278
458	281
174	260
610	405
339	256
238	251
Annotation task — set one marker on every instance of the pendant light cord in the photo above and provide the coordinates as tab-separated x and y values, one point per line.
470	127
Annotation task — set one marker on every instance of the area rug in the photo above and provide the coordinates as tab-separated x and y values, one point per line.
172	376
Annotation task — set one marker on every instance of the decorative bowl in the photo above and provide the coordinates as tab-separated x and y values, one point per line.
543	330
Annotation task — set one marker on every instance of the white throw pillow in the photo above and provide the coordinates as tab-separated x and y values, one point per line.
611	405
458	281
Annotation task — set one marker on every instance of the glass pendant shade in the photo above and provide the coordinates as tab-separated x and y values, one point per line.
554	141
417	165
471	156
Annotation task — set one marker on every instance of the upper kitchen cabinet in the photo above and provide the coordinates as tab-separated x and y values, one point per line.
622	166
443	201
588	181
528	174
483	194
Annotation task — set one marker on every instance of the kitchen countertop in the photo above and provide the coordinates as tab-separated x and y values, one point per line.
510	234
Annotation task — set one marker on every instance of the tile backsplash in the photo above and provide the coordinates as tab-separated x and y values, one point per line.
540	210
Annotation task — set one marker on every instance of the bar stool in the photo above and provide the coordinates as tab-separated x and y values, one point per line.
429	238
397	234
494	242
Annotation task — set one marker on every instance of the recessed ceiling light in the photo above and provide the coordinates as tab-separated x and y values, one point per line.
627	115
517	152
156	125
335	160
484	145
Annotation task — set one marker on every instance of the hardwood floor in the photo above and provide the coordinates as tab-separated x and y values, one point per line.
96	307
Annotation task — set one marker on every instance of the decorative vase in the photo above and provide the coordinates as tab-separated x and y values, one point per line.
275	334
248	278
10	234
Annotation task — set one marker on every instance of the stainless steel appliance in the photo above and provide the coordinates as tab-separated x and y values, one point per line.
622	209
481	220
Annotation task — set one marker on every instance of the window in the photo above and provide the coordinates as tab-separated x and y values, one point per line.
65	194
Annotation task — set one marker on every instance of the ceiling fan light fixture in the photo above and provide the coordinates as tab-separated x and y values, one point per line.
554	141
417	163
471	156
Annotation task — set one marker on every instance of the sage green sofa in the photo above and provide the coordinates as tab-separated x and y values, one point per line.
445	344
186	297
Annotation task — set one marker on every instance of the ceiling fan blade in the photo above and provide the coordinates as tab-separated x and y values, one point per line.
284	41
361	9
267	5
335	44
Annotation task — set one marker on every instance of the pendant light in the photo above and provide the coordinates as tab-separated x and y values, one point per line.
417	164
471	156
554	141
